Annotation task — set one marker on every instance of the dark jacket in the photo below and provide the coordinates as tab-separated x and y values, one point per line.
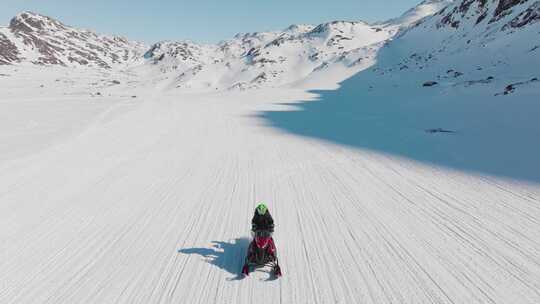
262	222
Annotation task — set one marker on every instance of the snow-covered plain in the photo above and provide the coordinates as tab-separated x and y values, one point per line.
416	180
114	199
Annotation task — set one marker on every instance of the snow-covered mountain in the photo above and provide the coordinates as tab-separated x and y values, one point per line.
249	60
425	8
265	59
470	42
470	71
255	60
433	32
37	39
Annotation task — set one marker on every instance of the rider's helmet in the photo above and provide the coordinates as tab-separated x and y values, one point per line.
261	209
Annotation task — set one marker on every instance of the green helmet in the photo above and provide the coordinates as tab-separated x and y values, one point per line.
261	209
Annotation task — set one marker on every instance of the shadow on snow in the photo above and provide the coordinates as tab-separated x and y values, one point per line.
228	256
465	129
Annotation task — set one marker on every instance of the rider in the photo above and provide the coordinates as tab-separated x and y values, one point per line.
262	220
262	224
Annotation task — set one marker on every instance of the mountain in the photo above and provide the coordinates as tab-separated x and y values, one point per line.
435	33
470	43
37	39
425	8
457	89
278	58
248	60
262	59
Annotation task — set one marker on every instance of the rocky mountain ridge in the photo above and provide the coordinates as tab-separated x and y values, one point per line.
37	39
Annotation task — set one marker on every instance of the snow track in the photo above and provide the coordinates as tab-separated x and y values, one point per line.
152	205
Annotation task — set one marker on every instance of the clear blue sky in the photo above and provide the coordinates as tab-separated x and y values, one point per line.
201	20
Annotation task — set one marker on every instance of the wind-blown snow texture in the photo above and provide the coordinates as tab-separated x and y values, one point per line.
416	180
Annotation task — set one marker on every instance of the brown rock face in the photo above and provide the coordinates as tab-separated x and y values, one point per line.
8	51
32	22
54	43
479	9
505	5
529	16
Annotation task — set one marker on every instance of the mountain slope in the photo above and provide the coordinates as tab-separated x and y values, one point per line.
415	14
251	60
299	52
37	39
470	43
264	59
460	89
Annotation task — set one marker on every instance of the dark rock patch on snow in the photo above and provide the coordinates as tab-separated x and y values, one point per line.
439	130
429	83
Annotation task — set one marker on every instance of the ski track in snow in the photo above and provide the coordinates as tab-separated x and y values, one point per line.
153	205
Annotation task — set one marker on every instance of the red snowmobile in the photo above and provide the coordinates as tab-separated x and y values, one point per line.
261	253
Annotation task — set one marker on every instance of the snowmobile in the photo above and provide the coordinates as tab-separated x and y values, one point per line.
261	253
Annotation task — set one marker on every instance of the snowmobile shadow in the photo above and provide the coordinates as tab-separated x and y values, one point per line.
271	278
228	256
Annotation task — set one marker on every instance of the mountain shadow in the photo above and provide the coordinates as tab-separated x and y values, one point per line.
467	129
